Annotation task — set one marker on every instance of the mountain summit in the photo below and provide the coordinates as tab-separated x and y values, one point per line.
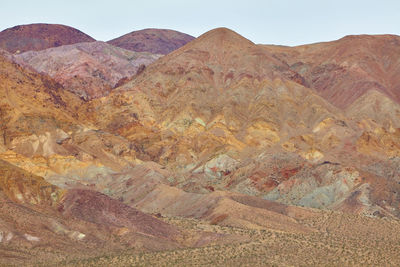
156	41
223	35
40	36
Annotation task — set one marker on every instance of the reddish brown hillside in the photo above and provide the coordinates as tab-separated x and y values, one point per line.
341	71
156	41
40	36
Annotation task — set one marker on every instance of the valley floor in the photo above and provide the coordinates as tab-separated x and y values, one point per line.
339	240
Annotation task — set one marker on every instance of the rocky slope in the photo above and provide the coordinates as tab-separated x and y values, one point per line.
23	38
47	134
224	113
219	90
155	41
39	220
341	71
47	107
42	223
89	70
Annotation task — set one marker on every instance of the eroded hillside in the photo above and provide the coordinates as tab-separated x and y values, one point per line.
226	141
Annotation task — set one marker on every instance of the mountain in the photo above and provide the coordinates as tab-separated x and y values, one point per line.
155	41
40	36
89	70
222	152
225	114
341	71
220	113
43	223
221	90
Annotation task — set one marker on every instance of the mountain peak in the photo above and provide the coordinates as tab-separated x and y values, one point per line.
156	41
40	36
224	35
219	41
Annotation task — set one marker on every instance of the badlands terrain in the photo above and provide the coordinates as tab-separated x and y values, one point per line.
158	148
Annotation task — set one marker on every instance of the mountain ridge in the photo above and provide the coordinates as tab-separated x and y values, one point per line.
343	70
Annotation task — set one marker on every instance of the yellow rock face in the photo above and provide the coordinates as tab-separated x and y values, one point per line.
380	142
323	125
45	166
37	165
23	187
262	134
312	155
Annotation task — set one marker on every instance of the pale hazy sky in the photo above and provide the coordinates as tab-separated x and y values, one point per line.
286	22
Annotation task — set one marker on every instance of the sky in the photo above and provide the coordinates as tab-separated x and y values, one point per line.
283	22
